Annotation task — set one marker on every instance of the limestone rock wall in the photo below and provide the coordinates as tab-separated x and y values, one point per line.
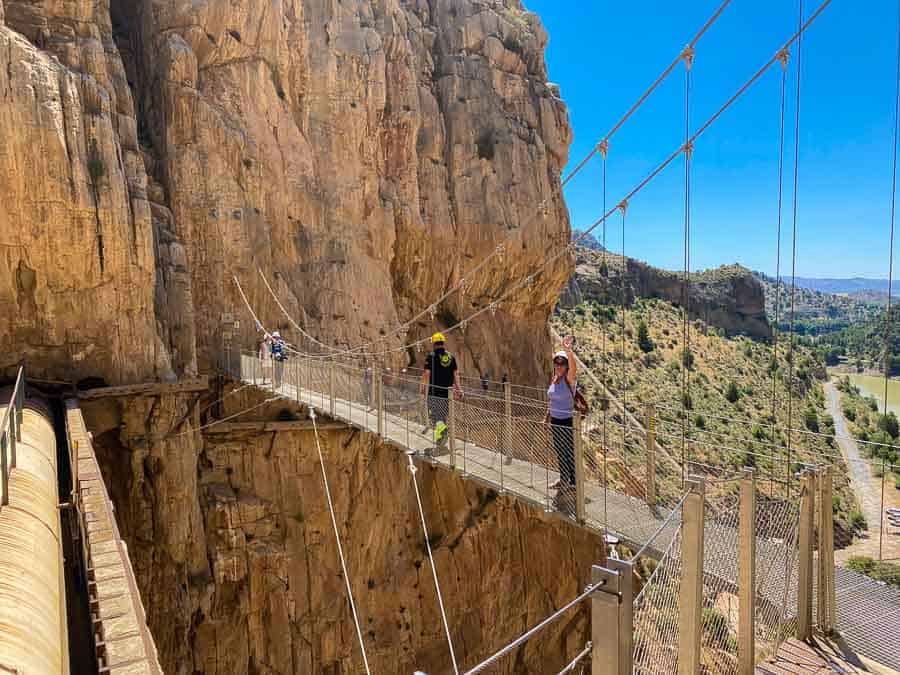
76	252
362	153
233	548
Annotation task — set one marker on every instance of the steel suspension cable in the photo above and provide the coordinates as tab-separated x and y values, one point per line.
491	660
794	246
604	268
573	664
888	339
437	584
603	146
622	374
784	63
686	355
337	538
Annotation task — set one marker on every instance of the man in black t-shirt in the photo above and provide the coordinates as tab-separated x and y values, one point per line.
437	380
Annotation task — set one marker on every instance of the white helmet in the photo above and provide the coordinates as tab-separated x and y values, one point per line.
276	334
561	355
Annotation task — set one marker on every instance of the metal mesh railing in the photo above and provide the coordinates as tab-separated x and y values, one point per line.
656	615
11	433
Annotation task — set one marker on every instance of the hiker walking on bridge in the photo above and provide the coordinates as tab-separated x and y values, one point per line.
437	380
560	412
279	356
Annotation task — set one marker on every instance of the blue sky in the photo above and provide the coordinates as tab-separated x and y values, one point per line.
604	54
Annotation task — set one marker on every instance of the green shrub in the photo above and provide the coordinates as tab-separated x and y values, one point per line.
857	520
643	338
887	572
700	422
731	392
687	358
810	419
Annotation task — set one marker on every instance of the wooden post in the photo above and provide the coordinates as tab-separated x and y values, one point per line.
451	427
579	469
826	617
650	488
691	595
612	629
747	578
507	427
331	386
805	573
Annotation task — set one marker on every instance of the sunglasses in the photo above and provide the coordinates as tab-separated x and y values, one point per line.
560	362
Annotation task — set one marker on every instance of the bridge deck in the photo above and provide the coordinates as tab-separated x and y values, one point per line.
626	517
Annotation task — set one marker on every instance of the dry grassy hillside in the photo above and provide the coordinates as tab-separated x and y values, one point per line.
721	387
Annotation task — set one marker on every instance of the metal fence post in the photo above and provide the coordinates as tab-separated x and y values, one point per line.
691	594
331	387
4	469
579	469
650	487
379	400
451	427
747	578
507	410
805	574
826	599
612	624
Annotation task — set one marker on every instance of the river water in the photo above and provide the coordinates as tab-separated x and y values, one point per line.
872	385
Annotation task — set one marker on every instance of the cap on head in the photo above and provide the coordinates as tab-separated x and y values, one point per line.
276	334
561	355
437	337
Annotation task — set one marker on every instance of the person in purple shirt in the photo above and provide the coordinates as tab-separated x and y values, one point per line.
560	412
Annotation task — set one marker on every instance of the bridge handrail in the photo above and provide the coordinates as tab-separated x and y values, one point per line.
10	434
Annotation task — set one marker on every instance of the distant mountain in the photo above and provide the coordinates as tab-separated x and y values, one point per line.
589	241
813	312
850	286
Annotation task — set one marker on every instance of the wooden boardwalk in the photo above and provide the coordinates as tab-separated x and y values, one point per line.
818	657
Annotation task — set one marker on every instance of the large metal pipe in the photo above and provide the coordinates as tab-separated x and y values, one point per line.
33	633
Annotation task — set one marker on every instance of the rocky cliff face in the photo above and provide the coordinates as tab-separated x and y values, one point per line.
233	548
363	153
729	297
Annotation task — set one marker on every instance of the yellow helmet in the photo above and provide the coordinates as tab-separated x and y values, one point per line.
438	337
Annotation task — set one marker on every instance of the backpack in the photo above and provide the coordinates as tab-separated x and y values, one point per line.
581	404
278	351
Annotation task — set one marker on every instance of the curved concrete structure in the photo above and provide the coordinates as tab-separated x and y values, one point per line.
33	635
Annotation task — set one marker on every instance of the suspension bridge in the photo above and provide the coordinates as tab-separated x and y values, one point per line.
737	579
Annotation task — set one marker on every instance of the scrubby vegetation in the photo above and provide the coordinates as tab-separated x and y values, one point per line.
727	401
879	432
887	572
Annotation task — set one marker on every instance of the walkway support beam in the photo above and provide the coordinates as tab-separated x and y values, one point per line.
805	572
612	622
747	578
691	595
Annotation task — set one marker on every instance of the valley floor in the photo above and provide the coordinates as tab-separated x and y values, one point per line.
867	487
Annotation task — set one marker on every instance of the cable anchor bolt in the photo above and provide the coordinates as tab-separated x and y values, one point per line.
623	206
688	149
493	308
603	148
688	56
783	55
